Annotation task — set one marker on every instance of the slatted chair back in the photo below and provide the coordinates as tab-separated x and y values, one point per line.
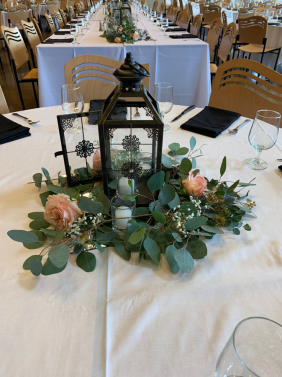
252	30
238	87
16	14
51	7
183	19
214	34
161	8
64	16
155	6
32	37
245	13
35	11
195	9
171	14
228	17
227	41
35	23
63	4
72	12
50	22
59	19
4	109
196	25
210	13
278	6
15	45
94	75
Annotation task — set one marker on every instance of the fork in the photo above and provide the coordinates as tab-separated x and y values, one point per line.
235	130
29	121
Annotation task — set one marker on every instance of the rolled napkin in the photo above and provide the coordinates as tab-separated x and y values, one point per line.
10	131
183	36
120	113
211	121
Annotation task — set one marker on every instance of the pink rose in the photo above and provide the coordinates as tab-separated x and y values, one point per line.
97	160
195	185
60	211
120	30
117	39
135	36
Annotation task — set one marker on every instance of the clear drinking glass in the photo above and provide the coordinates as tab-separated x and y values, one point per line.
253	350
72	102
164	95
74	30
263	135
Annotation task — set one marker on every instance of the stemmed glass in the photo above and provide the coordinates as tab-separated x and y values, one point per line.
164	95
263	135
72	102
74	30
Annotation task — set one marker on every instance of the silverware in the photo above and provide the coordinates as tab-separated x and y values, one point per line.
184	112
29	121
137	114
235	130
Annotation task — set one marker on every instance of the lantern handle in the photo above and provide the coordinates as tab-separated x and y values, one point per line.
147	74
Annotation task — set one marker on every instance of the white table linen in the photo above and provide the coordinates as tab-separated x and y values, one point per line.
127	319
184	63
4	17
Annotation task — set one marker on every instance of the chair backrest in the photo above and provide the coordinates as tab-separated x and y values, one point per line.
31	35
214	33
10	4
15	45
252	29
245	13
155	6
238	87
71	10
196	25
63	4
161	8
211	12
64	16
94	74
51	7
227	41
261	12
59	18
229	16
171	14
195	9
4	109
35	23
183	19
50	22
16	14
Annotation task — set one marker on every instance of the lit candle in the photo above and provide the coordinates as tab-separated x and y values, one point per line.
122	215
123	186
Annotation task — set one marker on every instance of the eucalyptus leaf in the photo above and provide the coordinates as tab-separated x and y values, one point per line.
55	189
59	255
194	162
141	211
36	266
236	231
129	197
86	261
174	146
22	236
77	249
192	143
59	235
99	247
185	166
212	229
247	227
50	269
49	232
46	173
155	206
167	194
232	187
102	198
119	247
177	237
169	253
159	217
37	179
26	265
152	249
182	151
71	192
183	259
105	237
197	249
38	224
89	205
44	195
137	236
113	184
156	181
223	166
33	245
195	223
166	161
188	209
175	202
36	215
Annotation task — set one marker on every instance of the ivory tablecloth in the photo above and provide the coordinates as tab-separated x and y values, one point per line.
4	17
184	63
127	319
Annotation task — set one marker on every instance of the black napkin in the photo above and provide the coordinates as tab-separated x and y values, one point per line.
62	32
176	29
10	131
274	23
66	27
211	121
280	167
183	36
120	112
51	41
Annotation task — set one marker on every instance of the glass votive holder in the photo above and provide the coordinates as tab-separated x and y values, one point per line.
145	160
121	211
124	187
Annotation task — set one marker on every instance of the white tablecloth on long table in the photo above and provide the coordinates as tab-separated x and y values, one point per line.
4	17
127	319
184	63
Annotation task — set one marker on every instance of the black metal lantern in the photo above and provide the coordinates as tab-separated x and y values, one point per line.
80	150
122	13
130	147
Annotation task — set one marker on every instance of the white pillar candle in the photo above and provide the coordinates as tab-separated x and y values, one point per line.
146	167
122	215
123	186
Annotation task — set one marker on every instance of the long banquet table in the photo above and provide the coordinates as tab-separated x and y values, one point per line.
184	63
127	319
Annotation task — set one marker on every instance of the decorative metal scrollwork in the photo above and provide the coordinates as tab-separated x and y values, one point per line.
131	170
109	134
131	143
75	178
67	123
152	133
84	148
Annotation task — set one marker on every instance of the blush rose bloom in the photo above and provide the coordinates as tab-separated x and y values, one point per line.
120	30
60	211
117	39
195	185
97	160
135	36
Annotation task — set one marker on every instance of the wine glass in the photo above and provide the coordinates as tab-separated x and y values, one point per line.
164	95
74	30
72	102
253	350
263	135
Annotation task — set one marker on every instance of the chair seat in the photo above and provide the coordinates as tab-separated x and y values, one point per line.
32	75
213	68
207	26
256	49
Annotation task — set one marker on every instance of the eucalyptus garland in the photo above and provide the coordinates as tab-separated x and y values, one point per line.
185	209
125	33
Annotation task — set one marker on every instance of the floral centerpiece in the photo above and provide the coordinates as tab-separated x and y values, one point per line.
186	208
126	33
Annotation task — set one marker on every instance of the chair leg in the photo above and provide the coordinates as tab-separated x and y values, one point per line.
18	84
262	55
279	50
1	64
35	95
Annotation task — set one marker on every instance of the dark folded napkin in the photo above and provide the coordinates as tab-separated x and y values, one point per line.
172	24
119	113
274	24
62	32
76	22
10	131
52	41
176	29
66	27
211	121
183	36
280	167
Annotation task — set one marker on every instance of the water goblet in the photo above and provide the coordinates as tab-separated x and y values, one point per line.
164	95
263	135
74	30
72	102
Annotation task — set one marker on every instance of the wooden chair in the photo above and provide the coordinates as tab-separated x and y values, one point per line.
32	37
161	8
59	19
82	69
252	31
245	13
4	109
155	6
213	36
50	22
260	12
64	16
16	14
171	14
10	4
183	19
19	56
238	87
225	46
210	13
64	4
51	7
72	12
35	23
196	25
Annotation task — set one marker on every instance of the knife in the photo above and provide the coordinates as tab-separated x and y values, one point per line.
184	112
